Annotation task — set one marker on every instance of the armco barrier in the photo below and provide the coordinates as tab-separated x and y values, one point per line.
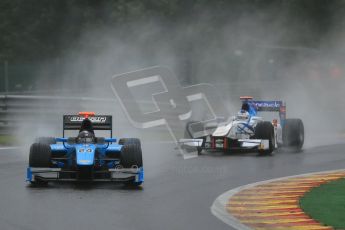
17	109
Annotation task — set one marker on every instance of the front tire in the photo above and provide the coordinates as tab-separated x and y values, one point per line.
265	131
40	155
131	156
188	134
193	127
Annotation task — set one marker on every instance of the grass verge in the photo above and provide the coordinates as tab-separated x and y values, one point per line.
7	140
326	204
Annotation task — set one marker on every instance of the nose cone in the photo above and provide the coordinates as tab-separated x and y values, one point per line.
85	155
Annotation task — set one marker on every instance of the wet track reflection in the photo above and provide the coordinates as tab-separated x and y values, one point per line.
177	193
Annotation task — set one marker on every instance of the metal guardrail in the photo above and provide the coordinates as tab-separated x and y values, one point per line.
16	110
34	111
43	111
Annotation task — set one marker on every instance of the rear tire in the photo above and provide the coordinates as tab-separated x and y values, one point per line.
293	134
40	155
265	130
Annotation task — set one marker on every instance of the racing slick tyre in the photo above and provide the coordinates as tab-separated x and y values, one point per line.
131	156
40	155
293	134
188	134
193	127
126	141
45	140
265	130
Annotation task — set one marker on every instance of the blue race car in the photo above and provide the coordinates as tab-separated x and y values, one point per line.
86	157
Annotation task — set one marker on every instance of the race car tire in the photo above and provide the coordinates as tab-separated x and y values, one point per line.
131	156
197	128
188	135
40	155
187	132
126	141
293	134
265	130
199	149
45	140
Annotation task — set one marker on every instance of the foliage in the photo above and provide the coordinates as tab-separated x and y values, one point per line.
39	29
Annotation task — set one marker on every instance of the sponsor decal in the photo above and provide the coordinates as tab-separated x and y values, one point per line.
97	119
267	104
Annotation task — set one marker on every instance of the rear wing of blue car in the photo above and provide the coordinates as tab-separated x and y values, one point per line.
99	122
265	106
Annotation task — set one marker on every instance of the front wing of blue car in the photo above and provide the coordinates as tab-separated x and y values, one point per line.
108	175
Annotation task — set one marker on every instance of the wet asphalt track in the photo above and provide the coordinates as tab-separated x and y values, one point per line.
177	193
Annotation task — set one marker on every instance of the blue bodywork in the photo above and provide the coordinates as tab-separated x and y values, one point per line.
269	106
253	107
67	160
85	152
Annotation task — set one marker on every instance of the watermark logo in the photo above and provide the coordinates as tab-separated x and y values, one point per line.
173	106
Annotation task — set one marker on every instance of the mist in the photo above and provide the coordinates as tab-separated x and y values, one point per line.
247	51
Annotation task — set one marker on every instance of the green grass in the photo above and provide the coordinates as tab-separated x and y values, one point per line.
7	140
326	204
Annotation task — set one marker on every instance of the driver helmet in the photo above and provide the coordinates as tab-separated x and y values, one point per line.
242	115
85	134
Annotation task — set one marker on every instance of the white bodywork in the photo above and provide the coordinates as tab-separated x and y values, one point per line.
237	129
234	128
240	130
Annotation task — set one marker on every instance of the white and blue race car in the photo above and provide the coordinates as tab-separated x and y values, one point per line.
249	131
